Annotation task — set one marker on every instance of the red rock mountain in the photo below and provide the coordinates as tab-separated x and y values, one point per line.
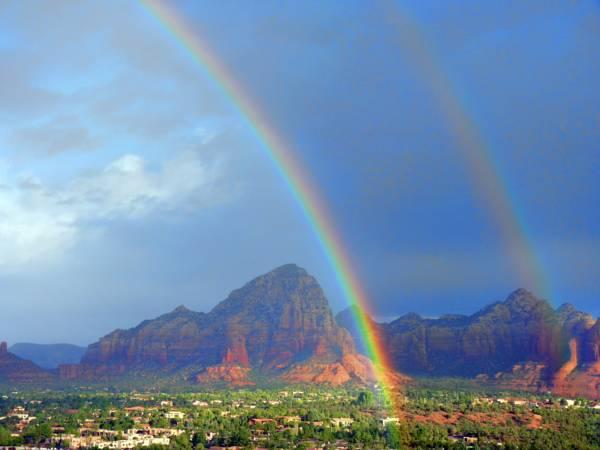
278	324
15	370
520	343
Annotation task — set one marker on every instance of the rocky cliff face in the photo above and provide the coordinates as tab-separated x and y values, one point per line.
275	322
521	341
20	371
580	374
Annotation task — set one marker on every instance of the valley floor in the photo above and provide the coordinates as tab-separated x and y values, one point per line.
296	417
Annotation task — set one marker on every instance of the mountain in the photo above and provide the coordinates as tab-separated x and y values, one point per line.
278	324
48	356
521	342
15	370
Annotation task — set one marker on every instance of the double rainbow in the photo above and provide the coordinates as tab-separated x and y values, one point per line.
474	149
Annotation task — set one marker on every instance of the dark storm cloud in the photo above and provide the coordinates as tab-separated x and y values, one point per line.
362	113
338	81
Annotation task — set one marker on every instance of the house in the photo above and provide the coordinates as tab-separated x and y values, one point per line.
385	421
133	442
464	439
210	435
341	421
58	429
174	415
134	409
258	421
19	412
290	419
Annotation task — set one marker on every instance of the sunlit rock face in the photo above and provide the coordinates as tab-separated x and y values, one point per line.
273	323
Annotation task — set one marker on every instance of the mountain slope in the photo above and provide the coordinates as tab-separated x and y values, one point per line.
521	338
48	356
16	370
275	323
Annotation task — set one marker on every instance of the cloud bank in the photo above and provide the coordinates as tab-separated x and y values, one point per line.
40	222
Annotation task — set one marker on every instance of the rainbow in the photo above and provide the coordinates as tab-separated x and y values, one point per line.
487	178
297	180
475	151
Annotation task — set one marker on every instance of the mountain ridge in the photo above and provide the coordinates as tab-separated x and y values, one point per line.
504	342
279	324
48	356
16	370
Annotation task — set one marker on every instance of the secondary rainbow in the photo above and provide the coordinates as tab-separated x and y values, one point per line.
473	147
296	178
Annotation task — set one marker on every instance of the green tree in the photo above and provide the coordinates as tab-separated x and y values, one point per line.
392	436
365	399
181	442
199	440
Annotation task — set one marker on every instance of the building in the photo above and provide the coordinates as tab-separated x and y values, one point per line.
341	421
385	421
174	415
258	421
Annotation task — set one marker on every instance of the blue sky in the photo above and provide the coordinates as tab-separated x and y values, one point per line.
129	185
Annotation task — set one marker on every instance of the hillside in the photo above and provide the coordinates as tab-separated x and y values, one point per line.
48	356
278	324
15	370
521	342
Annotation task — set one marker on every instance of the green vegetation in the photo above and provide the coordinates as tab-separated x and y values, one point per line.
298	418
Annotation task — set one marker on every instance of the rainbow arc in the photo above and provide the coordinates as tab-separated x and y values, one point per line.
473	148
297	180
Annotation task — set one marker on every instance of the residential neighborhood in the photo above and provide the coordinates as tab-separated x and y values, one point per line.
320	419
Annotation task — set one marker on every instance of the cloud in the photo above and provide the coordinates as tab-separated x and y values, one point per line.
19	96
40	222
54	137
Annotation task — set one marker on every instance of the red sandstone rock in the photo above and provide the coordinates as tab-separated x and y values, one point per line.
231	374
351	367
277	321
17	370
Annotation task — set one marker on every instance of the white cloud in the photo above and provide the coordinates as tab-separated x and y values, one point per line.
40	223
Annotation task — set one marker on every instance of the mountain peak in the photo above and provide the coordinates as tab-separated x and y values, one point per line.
411	316
290	269
566	308
519	293
181	309
285	284
276	320
522	298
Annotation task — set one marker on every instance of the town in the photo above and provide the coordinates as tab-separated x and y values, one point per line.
301	418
